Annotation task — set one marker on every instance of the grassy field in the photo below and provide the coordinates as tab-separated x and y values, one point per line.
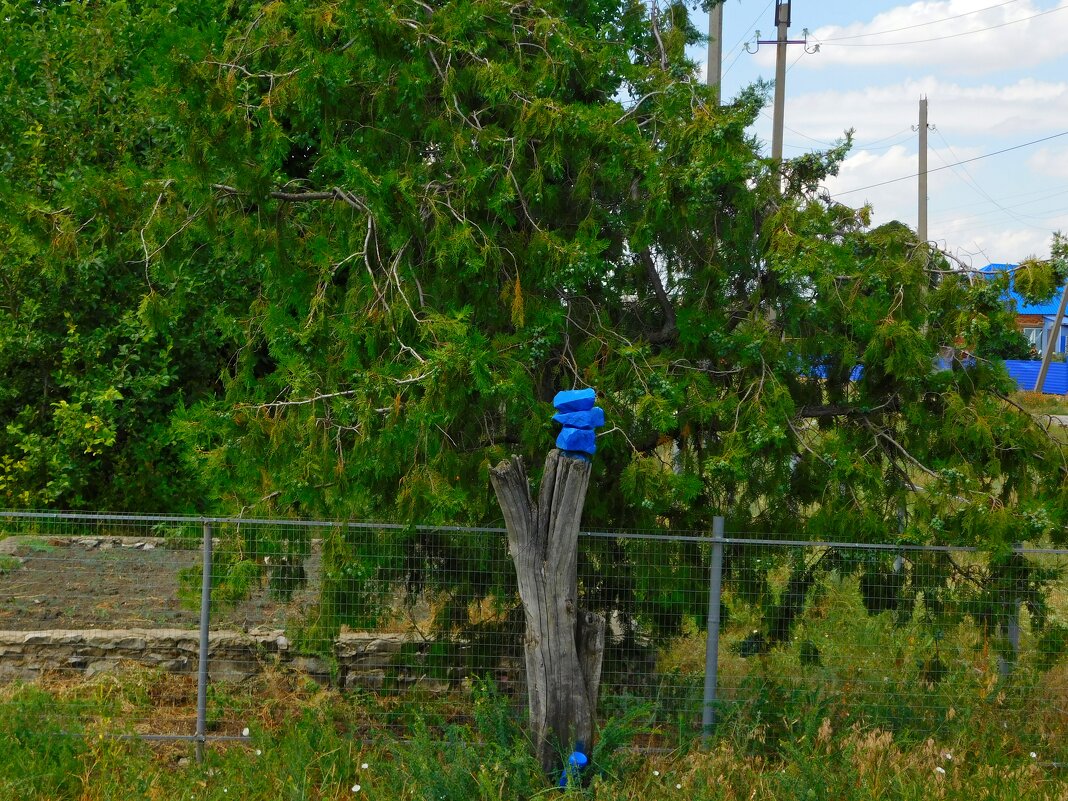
866	719
302	747
304	751
1041	403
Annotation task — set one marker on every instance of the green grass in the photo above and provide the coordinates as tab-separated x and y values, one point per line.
1041	403
303	747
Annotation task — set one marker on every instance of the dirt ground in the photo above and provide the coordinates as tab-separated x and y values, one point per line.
113	583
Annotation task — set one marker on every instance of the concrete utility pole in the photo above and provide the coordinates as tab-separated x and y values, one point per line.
921	221
782	22
715	48
1051	345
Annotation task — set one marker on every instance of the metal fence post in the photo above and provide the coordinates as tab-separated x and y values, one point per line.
715	588
1011	627
205	623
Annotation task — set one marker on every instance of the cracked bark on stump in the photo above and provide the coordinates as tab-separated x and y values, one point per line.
563	645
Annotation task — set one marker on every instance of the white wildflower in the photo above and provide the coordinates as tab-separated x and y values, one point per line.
244	732
941	770
363	766
1034	755
355	788
656	773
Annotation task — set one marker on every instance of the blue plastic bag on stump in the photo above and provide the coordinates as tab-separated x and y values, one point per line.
574	400
591	418
577	439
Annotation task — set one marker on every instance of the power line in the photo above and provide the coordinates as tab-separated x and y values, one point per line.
856	145
1045	214
901	141
868	145
952	35
1044	194
745	36
919	24
963	161
961	223
974	184
948	212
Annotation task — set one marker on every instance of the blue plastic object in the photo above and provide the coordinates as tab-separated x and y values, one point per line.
575	764
591	418
577	439
574	400
579	417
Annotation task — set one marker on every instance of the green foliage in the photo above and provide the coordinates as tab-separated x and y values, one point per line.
1037	281
1052	645
88	390
334	260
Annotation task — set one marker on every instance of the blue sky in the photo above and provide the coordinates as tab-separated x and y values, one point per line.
995	74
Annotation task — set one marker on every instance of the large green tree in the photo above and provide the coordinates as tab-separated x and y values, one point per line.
338	257
446	213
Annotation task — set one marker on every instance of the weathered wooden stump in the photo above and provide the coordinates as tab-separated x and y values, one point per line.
563	645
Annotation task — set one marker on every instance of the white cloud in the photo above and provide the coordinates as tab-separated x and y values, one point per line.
1049	161
891	197
968	212
1021	110
1003	243
959	36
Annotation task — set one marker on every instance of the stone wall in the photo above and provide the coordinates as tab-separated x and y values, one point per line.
363	659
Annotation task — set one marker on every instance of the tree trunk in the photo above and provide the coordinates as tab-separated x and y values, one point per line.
563	645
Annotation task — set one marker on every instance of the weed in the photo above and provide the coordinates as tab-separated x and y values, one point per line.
40	749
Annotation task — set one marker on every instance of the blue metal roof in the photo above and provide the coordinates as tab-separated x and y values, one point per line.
1022	306
1025	374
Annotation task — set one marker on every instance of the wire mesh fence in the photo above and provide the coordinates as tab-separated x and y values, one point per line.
106	613
921	642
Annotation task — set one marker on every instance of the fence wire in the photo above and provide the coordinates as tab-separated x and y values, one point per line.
405	623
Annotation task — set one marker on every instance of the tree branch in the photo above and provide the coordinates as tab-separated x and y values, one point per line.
654	15
336	194
668	331
881	434
302	402
840	410
271	75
